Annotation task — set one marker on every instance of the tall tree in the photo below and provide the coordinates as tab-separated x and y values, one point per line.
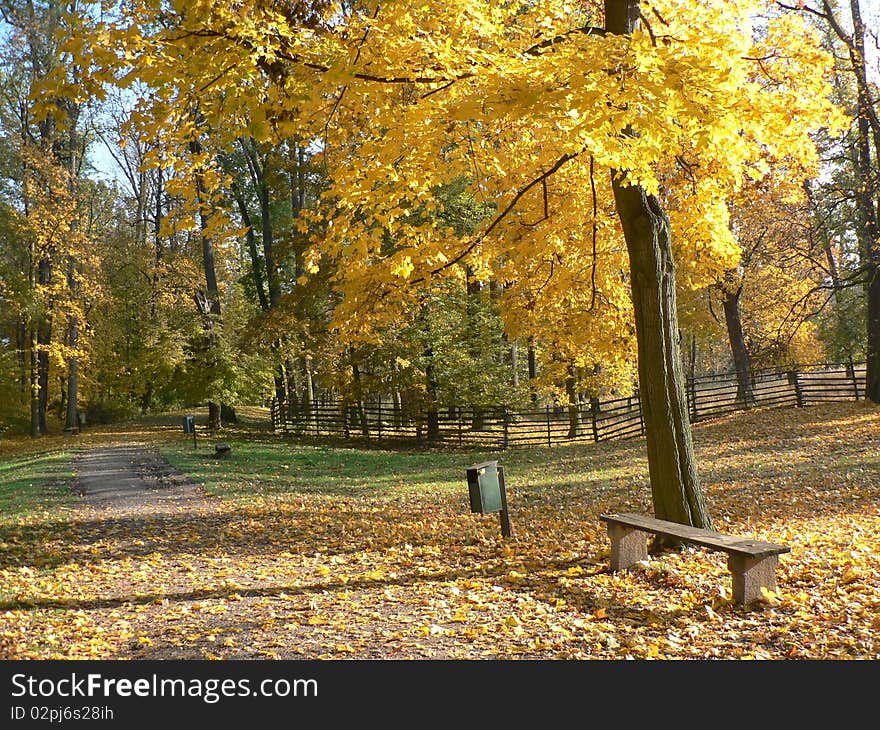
548	113
851	30
675	486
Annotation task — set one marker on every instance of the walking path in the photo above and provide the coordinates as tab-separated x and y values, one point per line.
133	478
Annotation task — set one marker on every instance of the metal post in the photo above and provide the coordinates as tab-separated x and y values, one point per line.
506	528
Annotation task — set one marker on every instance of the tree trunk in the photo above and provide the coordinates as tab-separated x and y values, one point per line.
290	385
872	376
675	487
574	415
433	415
533	371
474	287
44	337
308	396
35	386
21	350
211	312
71	423
256	264
867	193
514	365
215	420
733	317
359	400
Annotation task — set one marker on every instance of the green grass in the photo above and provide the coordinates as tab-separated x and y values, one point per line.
33	483
280	467
275	466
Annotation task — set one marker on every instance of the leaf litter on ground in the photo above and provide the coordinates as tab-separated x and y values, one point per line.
387	562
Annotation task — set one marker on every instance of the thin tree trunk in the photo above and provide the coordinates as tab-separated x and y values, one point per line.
359	399
514	365
44	338
71	424
574	415
533	371
473	289
36	432
433	415
21	351
211	313
741	362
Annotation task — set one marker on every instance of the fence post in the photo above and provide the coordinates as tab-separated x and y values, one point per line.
379	421
851	369
594	411
506	417
549	440
798	393
641	414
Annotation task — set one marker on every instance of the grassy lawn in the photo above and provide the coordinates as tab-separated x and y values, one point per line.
35	483
304	551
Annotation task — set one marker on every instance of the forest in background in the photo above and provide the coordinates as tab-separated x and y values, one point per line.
208	269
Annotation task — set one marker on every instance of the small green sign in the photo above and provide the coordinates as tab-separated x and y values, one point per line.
484	488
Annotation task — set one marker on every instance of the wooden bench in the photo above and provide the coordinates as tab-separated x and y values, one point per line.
752	563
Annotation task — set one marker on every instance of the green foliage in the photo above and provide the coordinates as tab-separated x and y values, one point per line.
841	326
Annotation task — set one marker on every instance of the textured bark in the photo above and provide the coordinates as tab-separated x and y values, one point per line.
533	371
741	362
21	352
35	387
211	311
675	487
574	414
359	399
71	421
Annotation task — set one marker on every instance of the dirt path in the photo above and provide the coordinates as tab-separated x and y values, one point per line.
133	478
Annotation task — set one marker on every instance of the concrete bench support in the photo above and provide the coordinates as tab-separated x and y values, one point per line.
628	546
750	575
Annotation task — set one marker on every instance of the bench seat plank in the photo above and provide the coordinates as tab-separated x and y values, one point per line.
705	538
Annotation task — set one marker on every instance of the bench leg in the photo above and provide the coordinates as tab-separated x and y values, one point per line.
750	575
628	546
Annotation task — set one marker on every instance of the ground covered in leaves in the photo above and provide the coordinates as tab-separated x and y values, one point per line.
315	551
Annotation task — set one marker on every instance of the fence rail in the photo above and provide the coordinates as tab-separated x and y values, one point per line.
710	396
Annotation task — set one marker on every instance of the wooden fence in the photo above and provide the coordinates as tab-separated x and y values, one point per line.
708	397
